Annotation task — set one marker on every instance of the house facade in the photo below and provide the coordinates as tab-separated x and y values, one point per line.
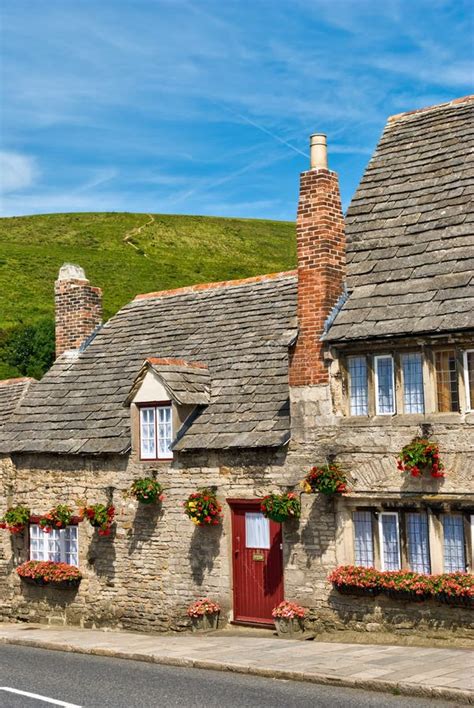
242	387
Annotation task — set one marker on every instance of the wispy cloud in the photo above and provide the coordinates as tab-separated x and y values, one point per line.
191	104
17	171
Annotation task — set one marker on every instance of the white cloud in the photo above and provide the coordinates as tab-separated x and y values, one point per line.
18	171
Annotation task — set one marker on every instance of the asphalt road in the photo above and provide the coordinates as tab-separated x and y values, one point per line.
73	680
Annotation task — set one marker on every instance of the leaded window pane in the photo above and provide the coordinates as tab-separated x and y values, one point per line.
390	541
418	543
413	398
363	539
358	394
447	381
385	394
454	552
469	374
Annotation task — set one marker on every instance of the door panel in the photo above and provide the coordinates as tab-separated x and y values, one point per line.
257	563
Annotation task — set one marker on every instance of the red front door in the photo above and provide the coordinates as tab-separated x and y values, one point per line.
257	563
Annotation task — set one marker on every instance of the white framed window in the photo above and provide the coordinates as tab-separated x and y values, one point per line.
418	542
60	545
384	385
469	378
257	530
358	388
363	539
389	540
156	432
453	543
412	369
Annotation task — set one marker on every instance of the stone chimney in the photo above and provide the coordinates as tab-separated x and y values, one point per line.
321	264
78	308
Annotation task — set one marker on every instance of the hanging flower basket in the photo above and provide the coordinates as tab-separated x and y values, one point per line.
147	491
100	517
281	507
204	614
289	619
58	575
421	456
203	508
327	479
15	519
58	518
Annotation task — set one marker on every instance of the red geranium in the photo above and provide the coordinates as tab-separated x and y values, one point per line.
100	517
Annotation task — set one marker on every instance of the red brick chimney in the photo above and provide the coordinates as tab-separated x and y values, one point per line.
321	264
78	308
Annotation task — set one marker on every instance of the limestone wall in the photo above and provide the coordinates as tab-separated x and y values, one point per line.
144	576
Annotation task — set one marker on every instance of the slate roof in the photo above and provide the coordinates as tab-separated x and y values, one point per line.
11	393
410	229
187	383
240	330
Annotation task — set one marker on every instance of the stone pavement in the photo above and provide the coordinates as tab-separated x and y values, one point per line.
408	670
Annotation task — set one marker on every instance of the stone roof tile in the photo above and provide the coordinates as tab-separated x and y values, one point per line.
410	229
240	331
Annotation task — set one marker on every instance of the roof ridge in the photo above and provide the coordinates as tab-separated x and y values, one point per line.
454	102
167	361
217	284
6	382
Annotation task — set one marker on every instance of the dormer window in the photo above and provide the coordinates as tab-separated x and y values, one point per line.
156	431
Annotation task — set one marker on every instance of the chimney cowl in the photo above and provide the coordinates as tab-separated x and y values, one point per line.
70	271
318	152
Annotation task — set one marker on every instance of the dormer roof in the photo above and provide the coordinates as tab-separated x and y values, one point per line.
187	383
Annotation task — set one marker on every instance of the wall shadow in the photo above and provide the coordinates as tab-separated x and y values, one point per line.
144	525
101	554
203	550
318	531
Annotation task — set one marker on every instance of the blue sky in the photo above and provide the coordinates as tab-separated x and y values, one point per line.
205	106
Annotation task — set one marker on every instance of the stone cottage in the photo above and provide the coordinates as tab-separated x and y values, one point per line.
243	386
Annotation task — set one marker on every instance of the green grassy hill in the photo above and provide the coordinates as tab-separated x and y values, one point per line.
126	254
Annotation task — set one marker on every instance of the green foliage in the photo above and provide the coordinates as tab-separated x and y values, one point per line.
124	254
27	350
147	490
15	518
327	479
281	507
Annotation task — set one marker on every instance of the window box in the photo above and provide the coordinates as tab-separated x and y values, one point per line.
50	574
57	585
356	590
455	600
406	595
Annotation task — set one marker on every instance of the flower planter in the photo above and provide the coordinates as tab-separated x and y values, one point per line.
405	595
205	623
356	590
287	628
455	600
60	585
